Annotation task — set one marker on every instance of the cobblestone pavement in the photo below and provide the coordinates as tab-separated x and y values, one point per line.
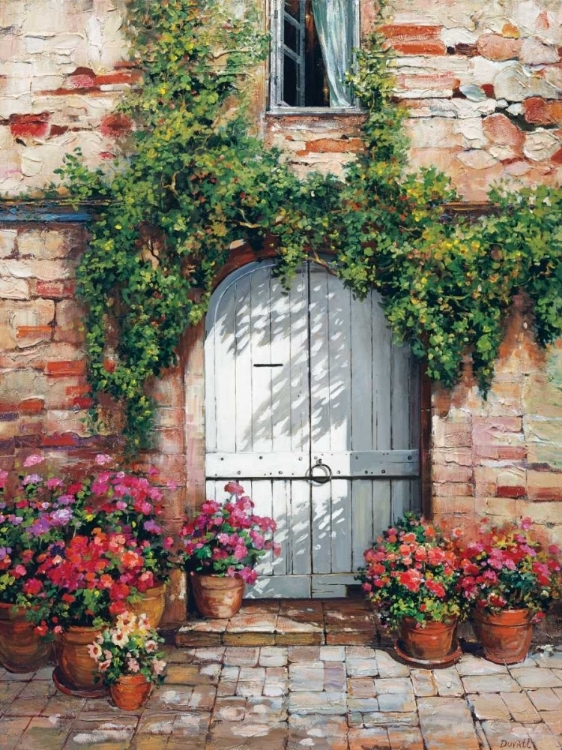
299	697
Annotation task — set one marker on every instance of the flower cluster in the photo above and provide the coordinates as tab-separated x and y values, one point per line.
129	504
41	511
75	552
508	568
89	579
129	648
412	571
228	539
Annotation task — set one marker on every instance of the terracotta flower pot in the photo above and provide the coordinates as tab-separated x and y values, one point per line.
216	596
433	645
152	604
21	648
505	637
76	671
130	692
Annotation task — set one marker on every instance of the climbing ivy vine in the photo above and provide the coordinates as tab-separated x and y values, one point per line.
194	182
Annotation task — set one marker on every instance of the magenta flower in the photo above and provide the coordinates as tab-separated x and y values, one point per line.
33	460
31	479
234	488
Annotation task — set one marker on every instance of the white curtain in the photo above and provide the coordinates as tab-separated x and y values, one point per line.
334	24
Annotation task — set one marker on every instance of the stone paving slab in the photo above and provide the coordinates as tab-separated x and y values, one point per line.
297	697
285	623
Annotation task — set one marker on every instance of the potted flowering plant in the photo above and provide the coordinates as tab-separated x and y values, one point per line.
411	577
128	504
509	579
129	660
221	547
38	512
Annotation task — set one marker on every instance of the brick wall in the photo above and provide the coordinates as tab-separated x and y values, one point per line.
502	456
483	81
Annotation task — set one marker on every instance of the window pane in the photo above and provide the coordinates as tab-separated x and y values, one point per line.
290	78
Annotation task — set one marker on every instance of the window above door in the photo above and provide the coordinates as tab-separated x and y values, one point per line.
313	43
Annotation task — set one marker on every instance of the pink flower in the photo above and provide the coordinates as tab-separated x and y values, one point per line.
234	488
54	482
133	665
31	479
102	458
33	460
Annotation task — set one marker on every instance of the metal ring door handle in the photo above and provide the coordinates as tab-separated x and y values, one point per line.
322	478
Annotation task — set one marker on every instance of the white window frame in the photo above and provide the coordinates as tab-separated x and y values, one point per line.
276	66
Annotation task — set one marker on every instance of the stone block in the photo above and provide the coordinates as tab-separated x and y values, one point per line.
499	48
541	145
7	242
544	485
447	722
15	289
520	707
45	270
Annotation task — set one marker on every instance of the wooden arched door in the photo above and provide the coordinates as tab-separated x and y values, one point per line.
315	411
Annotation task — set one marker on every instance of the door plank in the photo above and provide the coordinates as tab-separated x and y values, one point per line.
362	435
341	522
321	502
259	402
300	538
299	364
243	365
362	519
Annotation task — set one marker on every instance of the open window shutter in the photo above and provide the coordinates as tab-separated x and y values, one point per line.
293	66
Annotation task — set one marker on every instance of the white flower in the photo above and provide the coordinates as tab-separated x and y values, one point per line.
120	638
95	651
158	666
151	646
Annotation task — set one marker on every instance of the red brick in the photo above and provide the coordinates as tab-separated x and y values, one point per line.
123	76
546	494
35	331
82	78
29	126
55	289
82	402
512	452
32	405
500	129
115	125
420	47
332	146
405	31
60	440
65	369
541	112
511	492
499	48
